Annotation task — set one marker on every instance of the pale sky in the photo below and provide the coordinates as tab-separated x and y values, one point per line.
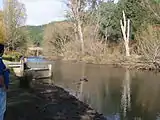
0	4
43	11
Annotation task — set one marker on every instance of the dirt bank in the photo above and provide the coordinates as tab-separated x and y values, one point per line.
46	102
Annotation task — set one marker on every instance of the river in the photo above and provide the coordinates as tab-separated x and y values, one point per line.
117	93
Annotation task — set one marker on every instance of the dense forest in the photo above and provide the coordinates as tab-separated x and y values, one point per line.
95	31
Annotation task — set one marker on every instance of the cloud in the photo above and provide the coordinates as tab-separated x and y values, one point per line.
44	11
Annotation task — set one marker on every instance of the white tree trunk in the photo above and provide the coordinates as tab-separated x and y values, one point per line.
126	33
75	6
127	48
76	31
81	36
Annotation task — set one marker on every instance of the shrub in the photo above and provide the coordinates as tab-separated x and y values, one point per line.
149	43
12	56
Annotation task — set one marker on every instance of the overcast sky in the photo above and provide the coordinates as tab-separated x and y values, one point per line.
43	11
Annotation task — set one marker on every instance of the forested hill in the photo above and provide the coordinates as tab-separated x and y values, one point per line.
35	33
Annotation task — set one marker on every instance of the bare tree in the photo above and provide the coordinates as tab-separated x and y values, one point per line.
56	36
154	7
14	17
149	43
77	10
125	26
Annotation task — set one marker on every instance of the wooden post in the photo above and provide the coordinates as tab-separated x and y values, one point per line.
50	70
37	52
22	67
50	73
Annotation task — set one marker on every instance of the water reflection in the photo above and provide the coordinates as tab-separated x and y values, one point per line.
119	94
80	84
126	93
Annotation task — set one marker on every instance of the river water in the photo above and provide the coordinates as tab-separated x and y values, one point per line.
117	93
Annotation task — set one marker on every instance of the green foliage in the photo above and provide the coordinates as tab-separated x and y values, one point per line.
35	34
109	23
111	15
157	1
134	11
12	56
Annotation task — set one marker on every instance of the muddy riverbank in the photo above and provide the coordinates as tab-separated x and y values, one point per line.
46	102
